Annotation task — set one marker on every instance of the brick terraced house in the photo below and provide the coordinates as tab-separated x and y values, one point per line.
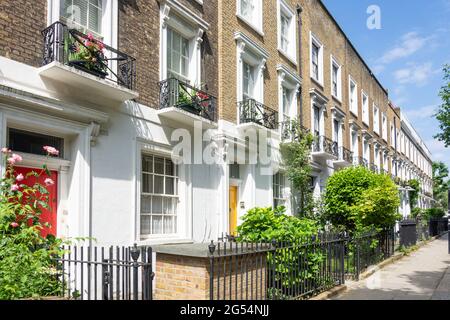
218	71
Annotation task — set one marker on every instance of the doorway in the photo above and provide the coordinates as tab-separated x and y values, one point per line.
233	210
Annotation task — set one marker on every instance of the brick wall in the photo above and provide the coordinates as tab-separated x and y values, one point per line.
188	278
21	23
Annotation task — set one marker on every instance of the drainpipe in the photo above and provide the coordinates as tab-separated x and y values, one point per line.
300	24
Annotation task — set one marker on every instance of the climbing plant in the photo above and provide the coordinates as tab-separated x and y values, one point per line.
296	162
414	195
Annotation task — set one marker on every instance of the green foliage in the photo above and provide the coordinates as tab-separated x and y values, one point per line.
417	212
441	184
267	224
87	51
443	114
414	195
295	159
434	213
358	199
27	262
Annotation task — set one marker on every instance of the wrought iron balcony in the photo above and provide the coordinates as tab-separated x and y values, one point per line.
179	94
359	161
325	145
251	111
374	168
290	130
72	48
345	155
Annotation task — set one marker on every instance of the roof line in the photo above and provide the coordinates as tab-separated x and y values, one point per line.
353	47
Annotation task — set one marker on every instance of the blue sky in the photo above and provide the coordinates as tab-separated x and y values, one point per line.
406	54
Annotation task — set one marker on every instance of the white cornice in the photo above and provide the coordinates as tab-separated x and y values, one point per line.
252	45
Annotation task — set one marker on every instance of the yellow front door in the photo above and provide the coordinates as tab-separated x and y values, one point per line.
233	210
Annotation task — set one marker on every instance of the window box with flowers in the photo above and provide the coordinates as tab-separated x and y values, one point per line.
86	53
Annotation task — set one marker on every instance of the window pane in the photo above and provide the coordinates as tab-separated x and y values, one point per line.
145	224
94	18
159	165
31	142
146	204
147	164
147	183
170	186
157	225
159	185
157	205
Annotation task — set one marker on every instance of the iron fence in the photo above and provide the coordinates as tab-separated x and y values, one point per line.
345	155
73	48
438	226
98	273
180	94
324	144
292	270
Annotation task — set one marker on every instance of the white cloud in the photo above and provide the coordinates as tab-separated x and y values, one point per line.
415	74
425	112
409	44
438	150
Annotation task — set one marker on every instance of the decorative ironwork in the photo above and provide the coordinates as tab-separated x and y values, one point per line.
345	154
73	48
359	161
324	144
180	94
289	130
251	111
374	168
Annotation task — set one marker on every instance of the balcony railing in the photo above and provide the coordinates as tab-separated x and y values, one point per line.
75	49
290	130
251	111
179	94
374	168
359	161
326	145
345	155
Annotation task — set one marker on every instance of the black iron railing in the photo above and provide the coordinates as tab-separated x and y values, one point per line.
180	94
374	168
359	161
345	155
326	145
252	111
73	48
114	273
290	130
438	226
292	270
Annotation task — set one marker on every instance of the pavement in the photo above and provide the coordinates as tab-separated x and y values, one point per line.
423	275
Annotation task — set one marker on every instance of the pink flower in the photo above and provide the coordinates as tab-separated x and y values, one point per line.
5	150
51	151
49	182
14	224
15	187
20	177
11	160
16	158
90	36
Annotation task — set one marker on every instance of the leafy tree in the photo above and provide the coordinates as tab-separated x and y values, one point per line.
356	198
295	157
441	183
443	114
414	195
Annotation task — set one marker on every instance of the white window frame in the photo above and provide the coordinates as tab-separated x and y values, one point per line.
353	97
376	119
283	9
287	79
251	53
392	135
256	21
175	197
384	126
335	63
365	108
192	27
314	40
110	21
282	188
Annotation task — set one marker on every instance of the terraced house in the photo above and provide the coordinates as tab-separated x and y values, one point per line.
218	72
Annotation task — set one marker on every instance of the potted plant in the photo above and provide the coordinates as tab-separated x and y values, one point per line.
86	53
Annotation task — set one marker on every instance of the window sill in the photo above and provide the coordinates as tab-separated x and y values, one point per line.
288	56
337	99
354	113
257	29
161	241
366	123
317	82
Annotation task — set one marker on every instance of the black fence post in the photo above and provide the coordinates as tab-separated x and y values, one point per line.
212	249
135	256
105	279
342	260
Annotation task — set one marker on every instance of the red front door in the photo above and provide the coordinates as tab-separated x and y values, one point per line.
48	215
